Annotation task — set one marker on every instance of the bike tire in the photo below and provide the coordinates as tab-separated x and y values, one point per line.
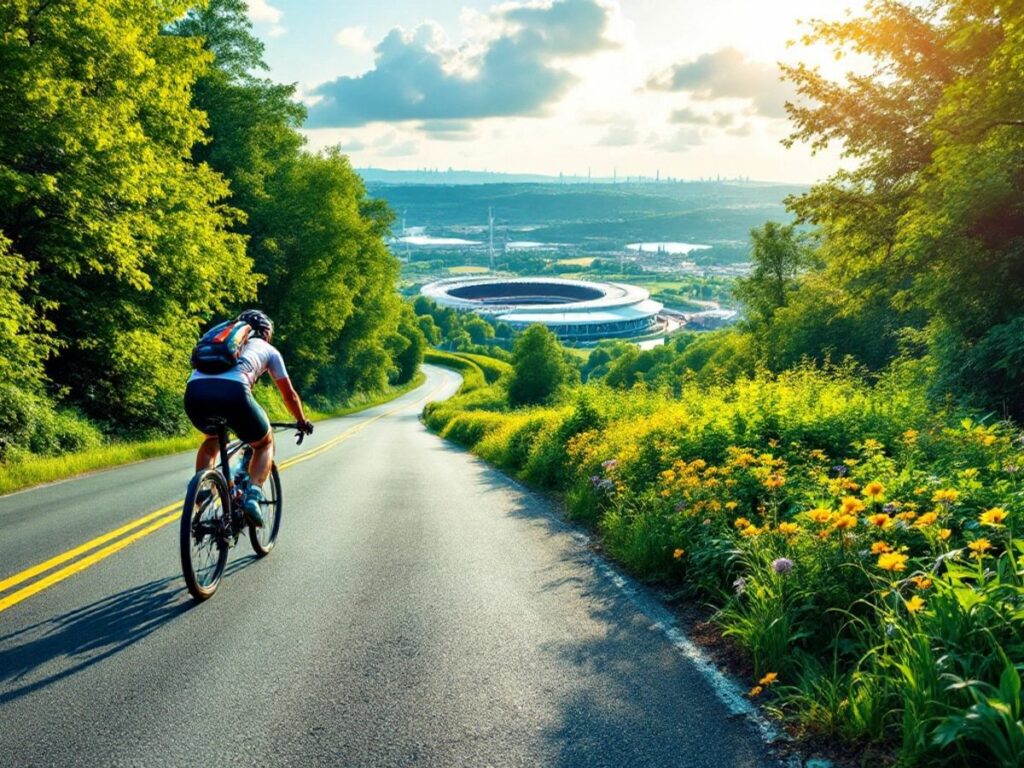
263	539
203	578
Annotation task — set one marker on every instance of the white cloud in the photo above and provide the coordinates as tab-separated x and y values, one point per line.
354	39
277	31
261	10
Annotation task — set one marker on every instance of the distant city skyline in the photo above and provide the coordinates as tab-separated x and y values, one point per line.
626	87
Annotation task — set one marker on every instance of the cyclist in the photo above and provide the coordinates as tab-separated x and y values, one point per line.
228	396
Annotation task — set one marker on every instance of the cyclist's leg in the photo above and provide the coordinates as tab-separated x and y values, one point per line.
207	454
262	459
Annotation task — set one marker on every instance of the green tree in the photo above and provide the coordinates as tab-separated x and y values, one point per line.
408	346
128	241
538	367
479	330
779	254
929	221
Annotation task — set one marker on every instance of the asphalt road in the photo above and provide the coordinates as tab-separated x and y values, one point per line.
419	609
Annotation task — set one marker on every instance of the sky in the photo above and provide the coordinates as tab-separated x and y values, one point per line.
678	88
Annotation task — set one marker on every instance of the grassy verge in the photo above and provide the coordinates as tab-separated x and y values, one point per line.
35	470
862	546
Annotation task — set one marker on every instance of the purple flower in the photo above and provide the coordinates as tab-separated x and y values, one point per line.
840	470
609	465
680	506
890	508
595	480
782	565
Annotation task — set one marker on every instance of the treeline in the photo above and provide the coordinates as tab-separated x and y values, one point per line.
152	182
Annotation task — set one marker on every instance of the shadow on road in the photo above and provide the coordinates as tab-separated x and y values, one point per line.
85	636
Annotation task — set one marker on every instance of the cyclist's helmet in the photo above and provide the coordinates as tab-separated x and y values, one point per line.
262	325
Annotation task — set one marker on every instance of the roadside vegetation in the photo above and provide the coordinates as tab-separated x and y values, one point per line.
151	184
840	476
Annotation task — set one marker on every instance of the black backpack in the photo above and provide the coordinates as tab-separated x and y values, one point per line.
220	347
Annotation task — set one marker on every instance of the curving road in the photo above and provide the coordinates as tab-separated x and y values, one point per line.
420	609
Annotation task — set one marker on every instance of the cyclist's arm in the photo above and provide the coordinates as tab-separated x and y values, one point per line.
291	399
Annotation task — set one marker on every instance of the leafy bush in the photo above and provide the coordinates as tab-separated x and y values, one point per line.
31	423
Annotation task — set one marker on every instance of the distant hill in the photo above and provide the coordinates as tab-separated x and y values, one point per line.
599	217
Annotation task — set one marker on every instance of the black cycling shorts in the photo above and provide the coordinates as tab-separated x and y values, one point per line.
209	399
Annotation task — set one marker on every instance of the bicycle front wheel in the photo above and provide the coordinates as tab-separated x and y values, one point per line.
264	538
203	535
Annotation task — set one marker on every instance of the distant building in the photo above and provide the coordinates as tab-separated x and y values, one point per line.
575	310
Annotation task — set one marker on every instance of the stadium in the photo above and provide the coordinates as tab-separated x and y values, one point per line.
575	310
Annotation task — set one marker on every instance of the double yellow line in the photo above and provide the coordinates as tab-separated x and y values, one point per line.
148	524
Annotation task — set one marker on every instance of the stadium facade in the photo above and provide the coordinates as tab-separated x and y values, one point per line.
575	310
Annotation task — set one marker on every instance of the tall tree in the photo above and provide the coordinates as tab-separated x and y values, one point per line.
930	219
128	240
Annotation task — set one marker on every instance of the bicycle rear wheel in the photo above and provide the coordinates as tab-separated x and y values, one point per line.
204	523
264	538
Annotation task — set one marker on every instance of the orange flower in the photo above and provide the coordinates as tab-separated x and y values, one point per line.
915	604
908	515
741	522
750	531
994	516
910	436
880	548
844	522
768	679
852	505
755	691
928	518
874	490
774	481
922	582
820	515
945	533
892	561
881	520
678	553
789	528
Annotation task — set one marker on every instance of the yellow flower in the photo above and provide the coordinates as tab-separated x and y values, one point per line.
750	531
922	582
908	515
845	521
774	481
881	520
818	455
946	495
789	528
820	515
731	505
994	516
851	505
880	548
768	679
874	490
910	436
945	533
928	518
755	691
915	604
741	522
979	547
892	561
679	552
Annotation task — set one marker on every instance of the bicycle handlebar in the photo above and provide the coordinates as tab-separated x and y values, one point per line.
299	434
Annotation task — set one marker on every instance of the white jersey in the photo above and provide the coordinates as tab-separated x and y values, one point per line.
257	358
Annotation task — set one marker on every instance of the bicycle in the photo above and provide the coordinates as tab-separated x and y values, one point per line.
212	519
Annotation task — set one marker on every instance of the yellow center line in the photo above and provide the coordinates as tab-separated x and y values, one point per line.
158	519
